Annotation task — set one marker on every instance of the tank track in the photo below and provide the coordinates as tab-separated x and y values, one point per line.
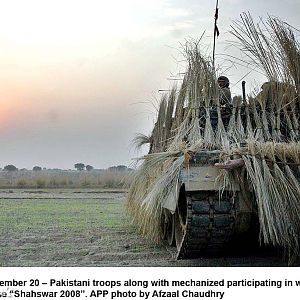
206	226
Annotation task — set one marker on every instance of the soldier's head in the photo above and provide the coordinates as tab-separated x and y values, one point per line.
223	82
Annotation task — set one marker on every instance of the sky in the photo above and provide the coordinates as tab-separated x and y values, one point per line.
79	78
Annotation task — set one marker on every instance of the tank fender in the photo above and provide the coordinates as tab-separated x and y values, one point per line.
171	200
203	178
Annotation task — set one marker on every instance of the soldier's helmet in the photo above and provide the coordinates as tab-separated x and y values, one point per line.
223	81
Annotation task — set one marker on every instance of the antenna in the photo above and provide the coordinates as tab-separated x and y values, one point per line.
216	32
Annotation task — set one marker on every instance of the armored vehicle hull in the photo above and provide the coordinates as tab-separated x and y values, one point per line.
208	217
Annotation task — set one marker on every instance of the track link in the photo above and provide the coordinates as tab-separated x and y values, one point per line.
206	225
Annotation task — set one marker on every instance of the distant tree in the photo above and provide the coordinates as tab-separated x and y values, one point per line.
79	166
120	168
36	168
10	168
89	168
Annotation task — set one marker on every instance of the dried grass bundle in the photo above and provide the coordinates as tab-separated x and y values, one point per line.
151	186
277	192
272	47
157	178
257	46
140	140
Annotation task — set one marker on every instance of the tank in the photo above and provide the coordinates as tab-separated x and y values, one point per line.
217	170
209	216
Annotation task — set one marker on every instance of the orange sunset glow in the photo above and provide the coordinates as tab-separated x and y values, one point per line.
78	79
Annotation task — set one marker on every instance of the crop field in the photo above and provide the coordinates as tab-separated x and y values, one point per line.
84	227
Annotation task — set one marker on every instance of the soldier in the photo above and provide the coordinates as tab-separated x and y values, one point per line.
225	94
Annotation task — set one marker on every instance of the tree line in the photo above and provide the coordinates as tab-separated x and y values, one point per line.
77	166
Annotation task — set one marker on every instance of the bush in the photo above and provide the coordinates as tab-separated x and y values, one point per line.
36	168
64	179
40	183
63	182
10	168
85	184
53	183
21	183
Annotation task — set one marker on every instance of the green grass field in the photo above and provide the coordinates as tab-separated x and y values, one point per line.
67	228
73	227
72	215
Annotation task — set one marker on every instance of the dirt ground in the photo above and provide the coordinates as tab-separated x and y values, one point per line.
87	228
